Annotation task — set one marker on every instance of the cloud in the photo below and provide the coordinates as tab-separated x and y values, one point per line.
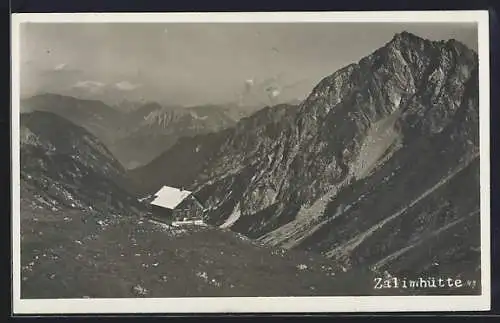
126	86
92	86
60	67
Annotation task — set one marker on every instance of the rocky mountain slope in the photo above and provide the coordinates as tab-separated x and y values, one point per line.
64	166
375	167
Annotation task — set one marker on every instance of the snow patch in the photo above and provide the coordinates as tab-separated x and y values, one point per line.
235	215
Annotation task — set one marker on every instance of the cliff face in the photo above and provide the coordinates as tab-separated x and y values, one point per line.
380	159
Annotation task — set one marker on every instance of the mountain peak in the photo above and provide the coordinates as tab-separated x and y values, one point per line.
405	35
406	38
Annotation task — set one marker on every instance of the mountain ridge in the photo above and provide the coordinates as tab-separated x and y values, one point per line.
403	99
135	136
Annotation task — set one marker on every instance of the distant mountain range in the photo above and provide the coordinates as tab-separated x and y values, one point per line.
135	133
375	167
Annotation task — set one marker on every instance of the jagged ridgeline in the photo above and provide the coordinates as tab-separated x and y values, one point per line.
377	167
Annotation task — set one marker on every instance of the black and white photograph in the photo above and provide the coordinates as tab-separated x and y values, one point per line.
250	162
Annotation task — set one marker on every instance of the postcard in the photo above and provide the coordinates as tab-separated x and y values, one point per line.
250	162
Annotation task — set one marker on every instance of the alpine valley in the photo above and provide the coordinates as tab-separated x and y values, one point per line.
374	174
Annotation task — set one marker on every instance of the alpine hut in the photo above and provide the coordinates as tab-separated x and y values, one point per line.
168	203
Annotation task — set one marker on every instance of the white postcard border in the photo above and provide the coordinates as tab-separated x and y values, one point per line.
260	304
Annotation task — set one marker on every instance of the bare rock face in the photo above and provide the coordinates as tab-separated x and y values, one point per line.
379	161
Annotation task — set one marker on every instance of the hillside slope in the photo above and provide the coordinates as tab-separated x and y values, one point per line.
74	170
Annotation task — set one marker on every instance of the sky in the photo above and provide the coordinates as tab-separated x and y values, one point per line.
202	63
